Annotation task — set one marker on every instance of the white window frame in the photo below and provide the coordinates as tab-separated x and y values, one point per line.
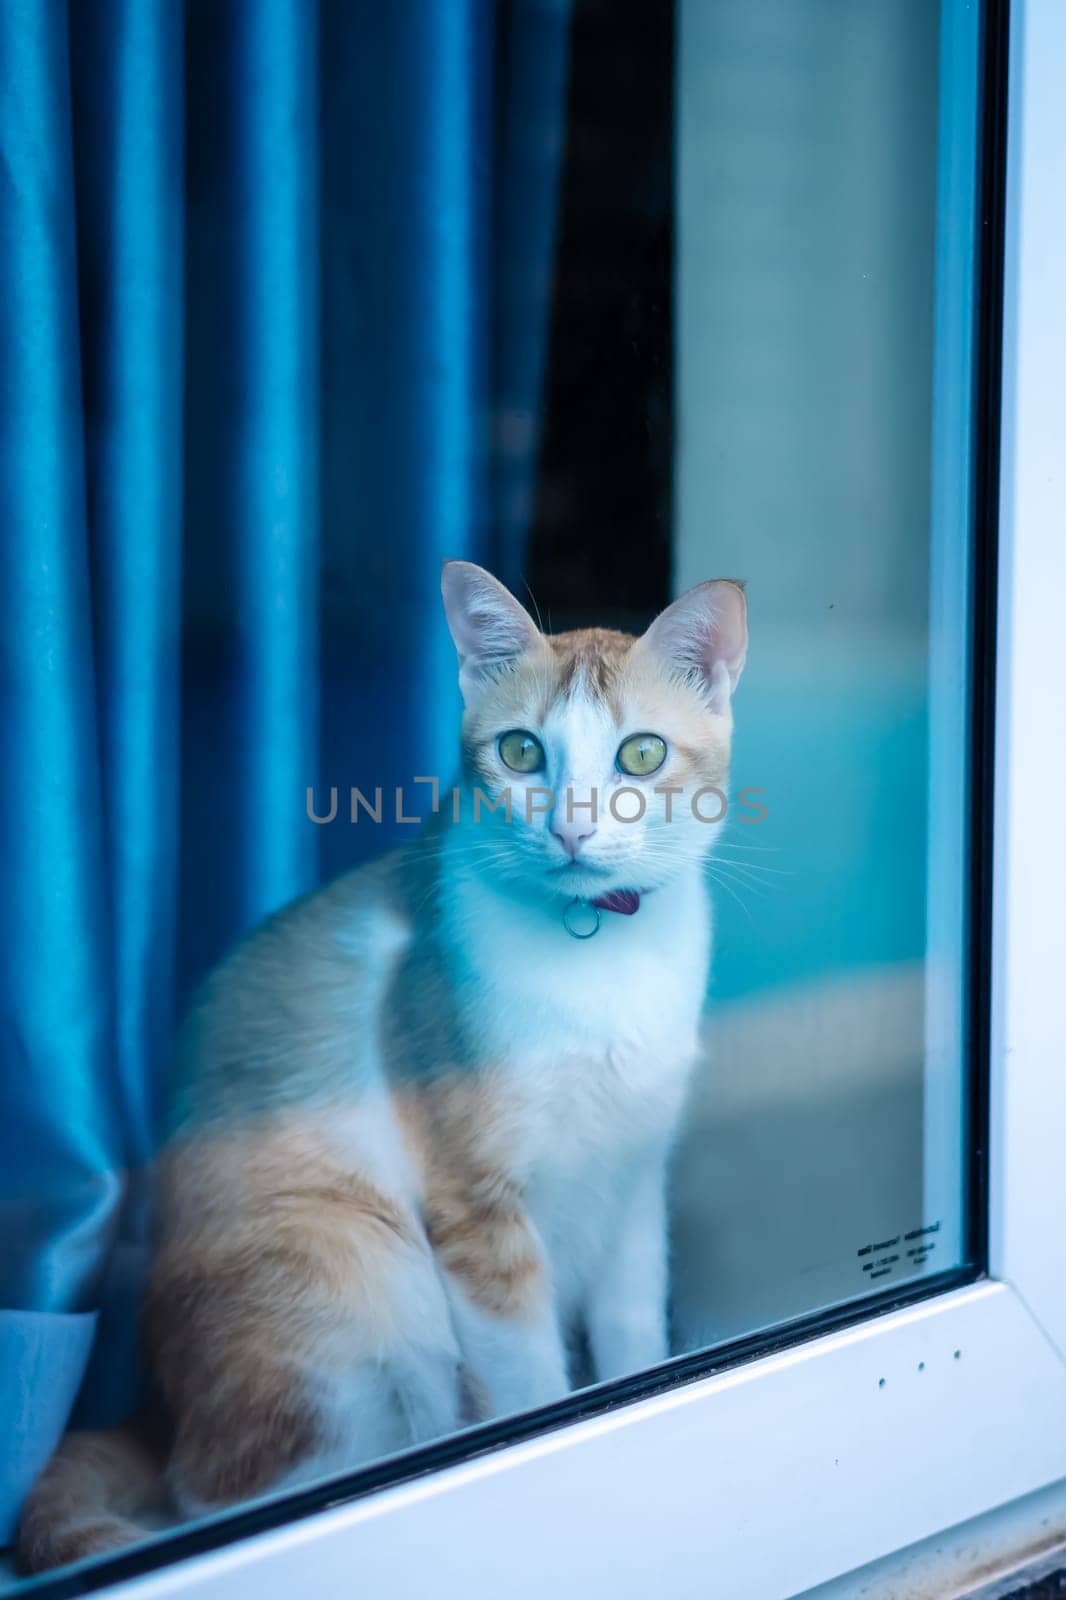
770	1477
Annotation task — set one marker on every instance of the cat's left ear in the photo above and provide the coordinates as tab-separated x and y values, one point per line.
703	635
490	628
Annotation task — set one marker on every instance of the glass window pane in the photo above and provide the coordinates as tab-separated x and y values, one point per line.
826	191
427	997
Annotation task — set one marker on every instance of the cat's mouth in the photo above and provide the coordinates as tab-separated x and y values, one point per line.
573	872
588	880
580	865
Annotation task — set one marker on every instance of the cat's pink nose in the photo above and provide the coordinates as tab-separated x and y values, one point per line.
572	834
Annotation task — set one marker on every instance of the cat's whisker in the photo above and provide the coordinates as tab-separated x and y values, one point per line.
722	884
754	874
533	603
748	868
754	866
746	844
756	889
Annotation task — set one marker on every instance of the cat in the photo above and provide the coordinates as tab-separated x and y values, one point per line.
423	1115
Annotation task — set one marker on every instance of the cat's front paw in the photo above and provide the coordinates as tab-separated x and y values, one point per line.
628	1343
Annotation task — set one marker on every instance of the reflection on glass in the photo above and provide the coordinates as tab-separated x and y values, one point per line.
825	299
610	1000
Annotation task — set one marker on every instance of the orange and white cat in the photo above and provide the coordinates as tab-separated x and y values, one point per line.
423	1115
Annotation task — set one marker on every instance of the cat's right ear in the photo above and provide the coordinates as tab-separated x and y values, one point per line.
703	637
490	628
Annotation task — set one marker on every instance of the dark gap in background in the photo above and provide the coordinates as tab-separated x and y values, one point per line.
600	540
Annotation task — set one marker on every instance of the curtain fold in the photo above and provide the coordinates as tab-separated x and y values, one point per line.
407	219
59	1183
58	1127
128	158
250	649
271	273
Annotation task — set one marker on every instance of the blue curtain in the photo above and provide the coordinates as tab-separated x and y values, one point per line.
274	283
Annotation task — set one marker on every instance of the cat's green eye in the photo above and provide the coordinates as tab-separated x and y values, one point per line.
521	751
641	754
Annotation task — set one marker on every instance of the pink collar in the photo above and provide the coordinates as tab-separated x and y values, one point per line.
624	901
581	918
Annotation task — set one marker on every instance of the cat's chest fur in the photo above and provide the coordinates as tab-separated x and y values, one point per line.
595	1036
590	1045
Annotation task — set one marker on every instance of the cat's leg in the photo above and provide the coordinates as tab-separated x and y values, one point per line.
502	1305
626	1309
516	1360
306	1334
404	1389
426	1361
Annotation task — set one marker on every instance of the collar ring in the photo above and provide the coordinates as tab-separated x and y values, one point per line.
581	919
